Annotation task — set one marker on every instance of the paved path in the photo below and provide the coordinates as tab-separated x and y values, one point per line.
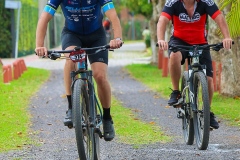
58	142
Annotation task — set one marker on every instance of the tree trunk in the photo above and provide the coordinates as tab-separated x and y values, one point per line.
230	84
157	8
230	60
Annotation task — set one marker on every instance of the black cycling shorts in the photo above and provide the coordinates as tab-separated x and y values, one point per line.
95	39
205	58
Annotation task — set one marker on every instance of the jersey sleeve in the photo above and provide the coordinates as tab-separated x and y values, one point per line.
52	6
212	9
168	10
106	5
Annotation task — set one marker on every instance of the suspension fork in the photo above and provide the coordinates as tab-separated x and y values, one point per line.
192	96
91	98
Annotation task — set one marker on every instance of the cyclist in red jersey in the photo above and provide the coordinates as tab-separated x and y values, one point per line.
189	21
83	28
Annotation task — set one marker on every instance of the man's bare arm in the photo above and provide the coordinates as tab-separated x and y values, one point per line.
227	41
115	22
117	29
161	29
42	28
41	33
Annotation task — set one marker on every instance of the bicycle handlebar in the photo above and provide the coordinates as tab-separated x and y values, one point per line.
99	48
215	47
53	55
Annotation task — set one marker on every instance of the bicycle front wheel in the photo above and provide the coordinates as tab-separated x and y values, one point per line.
187	120
83	130
201	114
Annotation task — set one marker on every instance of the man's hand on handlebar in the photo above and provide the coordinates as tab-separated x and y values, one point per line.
41	51
227	43
116	43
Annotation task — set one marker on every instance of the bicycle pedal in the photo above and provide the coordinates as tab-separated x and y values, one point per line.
98	131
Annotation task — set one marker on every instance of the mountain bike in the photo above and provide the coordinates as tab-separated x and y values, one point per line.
195	108
86	110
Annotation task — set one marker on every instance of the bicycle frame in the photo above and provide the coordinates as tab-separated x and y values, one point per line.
194	67
195	108
87	76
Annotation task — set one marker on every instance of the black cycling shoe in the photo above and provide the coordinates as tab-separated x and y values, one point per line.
175	98
213	123
108	130
68	119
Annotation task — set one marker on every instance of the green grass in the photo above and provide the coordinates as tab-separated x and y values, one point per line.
151	76
14	113
224	107
227	108
131	130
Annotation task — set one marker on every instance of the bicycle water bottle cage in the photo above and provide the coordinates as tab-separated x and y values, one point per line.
78	56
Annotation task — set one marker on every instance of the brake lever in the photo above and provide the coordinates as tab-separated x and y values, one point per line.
104	48
53	56
99	50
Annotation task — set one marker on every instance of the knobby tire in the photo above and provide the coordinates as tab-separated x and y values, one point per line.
202	114
83	131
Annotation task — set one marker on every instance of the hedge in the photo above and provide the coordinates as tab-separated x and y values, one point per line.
5	31
27	28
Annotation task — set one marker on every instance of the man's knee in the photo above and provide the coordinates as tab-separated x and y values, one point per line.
100	77
175	57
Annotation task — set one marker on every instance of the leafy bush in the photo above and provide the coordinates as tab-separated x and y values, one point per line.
28	24
27	29
5	31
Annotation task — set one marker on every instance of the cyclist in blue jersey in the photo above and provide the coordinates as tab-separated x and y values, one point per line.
83	27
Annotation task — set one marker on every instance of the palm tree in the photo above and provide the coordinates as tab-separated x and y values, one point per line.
232	8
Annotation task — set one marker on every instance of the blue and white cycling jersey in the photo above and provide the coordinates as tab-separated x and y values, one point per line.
81	16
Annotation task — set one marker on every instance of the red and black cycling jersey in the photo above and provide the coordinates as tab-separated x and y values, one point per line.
192	30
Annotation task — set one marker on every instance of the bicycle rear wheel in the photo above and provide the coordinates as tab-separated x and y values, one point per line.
81	122
187	119
202	114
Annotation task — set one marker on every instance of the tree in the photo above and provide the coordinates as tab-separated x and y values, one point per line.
150	11
233	15
230	61
139	7
5	31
